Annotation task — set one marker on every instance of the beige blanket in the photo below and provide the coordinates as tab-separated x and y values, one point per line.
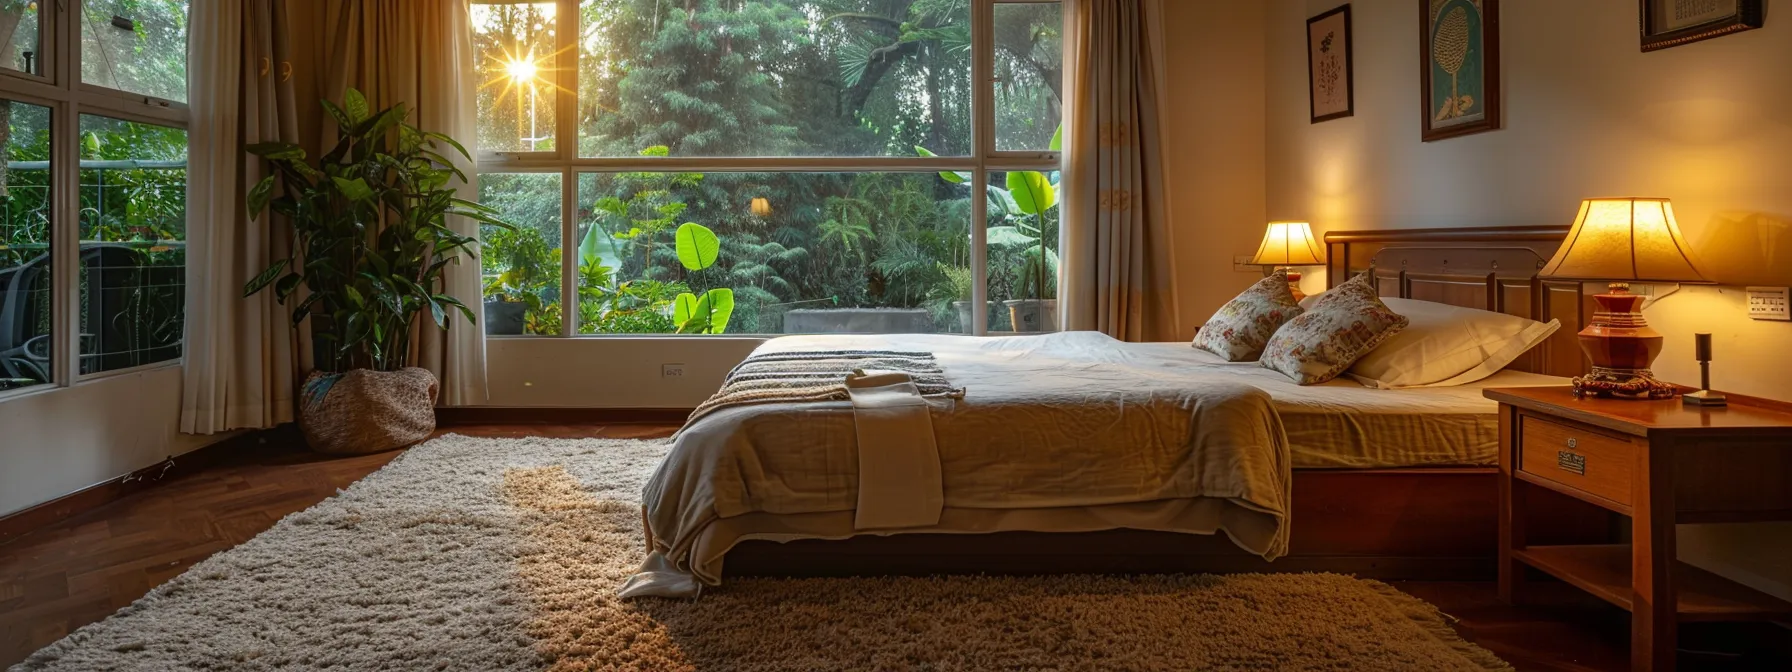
1063	432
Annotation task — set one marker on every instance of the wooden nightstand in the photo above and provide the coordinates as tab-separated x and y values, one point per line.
1659	463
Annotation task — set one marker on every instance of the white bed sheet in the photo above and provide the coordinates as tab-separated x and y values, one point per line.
1343	425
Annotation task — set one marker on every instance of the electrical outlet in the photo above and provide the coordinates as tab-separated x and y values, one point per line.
671	370
1768	303
1242	264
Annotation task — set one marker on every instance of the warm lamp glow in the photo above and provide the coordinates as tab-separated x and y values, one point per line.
1625	240
522	69
1288	244
761	207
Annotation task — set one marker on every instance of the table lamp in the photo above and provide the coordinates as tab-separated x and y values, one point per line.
1623	240
1288	244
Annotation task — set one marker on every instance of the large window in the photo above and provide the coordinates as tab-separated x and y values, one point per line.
769	166
92	189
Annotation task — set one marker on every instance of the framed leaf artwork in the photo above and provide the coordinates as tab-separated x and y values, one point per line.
1459	62
1671	23
1332	94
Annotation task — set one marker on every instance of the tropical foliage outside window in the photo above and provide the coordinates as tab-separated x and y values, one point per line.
127	205
811	135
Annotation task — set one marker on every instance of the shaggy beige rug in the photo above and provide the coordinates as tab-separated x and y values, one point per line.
504	554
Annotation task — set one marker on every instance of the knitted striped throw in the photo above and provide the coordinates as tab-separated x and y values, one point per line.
820	375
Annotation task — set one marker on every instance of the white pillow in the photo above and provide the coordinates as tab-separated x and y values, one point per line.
1447	345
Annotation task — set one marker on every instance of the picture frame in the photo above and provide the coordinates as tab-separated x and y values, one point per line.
1459	66
1331	72
1666	23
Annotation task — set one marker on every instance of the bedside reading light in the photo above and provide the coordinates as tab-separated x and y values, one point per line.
1288	244
1623	240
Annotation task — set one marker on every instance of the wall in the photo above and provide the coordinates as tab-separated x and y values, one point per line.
1213	148
609	372
58	441
1586	114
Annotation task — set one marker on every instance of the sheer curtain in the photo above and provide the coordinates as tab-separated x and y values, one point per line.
1118	275
240	363
419	52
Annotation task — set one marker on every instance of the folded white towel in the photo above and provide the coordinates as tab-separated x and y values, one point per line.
899	463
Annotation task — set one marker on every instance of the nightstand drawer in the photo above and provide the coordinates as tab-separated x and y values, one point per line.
1593	463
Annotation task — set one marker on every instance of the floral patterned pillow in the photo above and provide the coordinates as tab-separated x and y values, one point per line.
1342	326
1245	323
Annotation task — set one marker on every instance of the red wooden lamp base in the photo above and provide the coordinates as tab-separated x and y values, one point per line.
1293	282
1622	346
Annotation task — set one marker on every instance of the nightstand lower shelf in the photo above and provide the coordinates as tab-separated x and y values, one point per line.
1604	571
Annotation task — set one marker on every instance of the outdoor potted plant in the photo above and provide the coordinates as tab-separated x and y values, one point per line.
521	269
1037	273
371	240
954	287
506	310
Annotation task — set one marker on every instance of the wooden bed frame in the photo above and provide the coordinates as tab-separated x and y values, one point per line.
1421	523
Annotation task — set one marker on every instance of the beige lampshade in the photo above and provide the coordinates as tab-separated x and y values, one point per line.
1625	239
1288	244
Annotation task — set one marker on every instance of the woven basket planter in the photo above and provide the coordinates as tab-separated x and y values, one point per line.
366	411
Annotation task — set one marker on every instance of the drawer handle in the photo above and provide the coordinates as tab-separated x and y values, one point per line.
1573	443
1571	462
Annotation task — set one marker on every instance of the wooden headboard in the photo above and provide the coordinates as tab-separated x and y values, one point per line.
1490	268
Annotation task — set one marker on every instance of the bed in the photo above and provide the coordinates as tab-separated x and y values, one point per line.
1393	484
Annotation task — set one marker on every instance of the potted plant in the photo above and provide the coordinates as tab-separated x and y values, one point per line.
1036	274
506	309
371	241
527	274
954	289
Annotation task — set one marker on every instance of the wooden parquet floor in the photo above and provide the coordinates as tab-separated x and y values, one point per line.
81	570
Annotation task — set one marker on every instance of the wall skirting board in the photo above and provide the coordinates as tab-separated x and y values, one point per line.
32	518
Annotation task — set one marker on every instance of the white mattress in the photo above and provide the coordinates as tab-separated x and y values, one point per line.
1344	425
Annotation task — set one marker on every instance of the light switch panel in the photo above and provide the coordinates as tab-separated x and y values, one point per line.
1768	303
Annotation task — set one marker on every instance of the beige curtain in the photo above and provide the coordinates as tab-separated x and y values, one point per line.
1118	277
240	368
418	52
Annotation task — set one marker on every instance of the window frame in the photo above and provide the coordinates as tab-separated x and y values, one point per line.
68	98
983	160
47	42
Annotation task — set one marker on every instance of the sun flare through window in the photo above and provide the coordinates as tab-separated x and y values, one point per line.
769	166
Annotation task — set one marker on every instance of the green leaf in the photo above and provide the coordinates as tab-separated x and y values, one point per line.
259	196
355	105
440	316
1032	192
697	246
445	299
953	177
355	189
288	284
277	150
684	307
710	314
377	126
261	280
1007	236
657	150
354	297
451	142
342	121
1057	139
303	310
379	263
